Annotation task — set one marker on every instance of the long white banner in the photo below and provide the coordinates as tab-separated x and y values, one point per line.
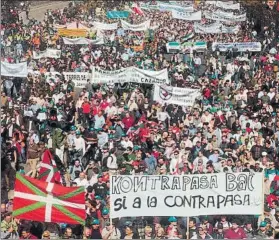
225	18
215	28
167	7
195	16
226	5
138	27
186	195
79	78
49	53
130	74
82	41
240	46
175	95
14	69
105	26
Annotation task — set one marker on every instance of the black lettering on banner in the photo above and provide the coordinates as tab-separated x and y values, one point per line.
140	182
195	200
203	182
164	183
239	183
188	200
211	201
220	200
201	200
137	202
231	185
176	183
246	199
119	204
213	182
237	199
167	201
229	198
115	184
195	183
250	182
154	181
185	181
151	202
178	201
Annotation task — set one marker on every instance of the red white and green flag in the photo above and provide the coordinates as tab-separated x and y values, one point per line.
48	169
48	202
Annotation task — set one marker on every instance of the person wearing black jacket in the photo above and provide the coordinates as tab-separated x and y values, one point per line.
219	234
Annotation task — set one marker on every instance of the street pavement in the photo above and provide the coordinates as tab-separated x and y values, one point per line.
38	9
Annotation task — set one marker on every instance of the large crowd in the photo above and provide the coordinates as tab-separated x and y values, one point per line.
102	129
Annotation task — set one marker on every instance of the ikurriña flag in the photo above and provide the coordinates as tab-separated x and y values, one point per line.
48	202
48	169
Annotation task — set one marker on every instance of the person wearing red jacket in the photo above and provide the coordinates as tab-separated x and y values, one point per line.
128	121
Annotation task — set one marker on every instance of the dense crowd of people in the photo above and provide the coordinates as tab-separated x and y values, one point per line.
102	129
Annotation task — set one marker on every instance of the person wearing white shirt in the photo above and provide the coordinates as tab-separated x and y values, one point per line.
163	116
82	181
79	143
125	143
111	110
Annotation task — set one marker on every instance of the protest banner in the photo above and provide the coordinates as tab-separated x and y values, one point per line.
72	32
14	69
138	27
49	53
79	78
105	26
186	195
136	48
175	95
188	16
225	18
228	5
239	46
173	47
215	28
82	41
117	14
197	46
130	74
163	7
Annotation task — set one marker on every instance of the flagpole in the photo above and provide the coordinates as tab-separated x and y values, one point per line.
188	234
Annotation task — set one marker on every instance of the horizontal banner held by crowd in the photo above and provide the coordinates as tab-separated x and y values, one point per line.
186	46
14	69
137	27
117	14
214	28
225	18
238	46
130	74
188	16
175	95
167	7
49	53
82	41
188	195
79	78
105	26
72	32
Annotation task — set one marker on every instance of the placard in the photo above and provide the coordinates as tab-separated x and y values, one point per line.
186	195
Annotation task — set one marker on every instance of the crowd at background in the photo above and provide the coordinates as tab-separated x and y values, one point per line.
102	129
